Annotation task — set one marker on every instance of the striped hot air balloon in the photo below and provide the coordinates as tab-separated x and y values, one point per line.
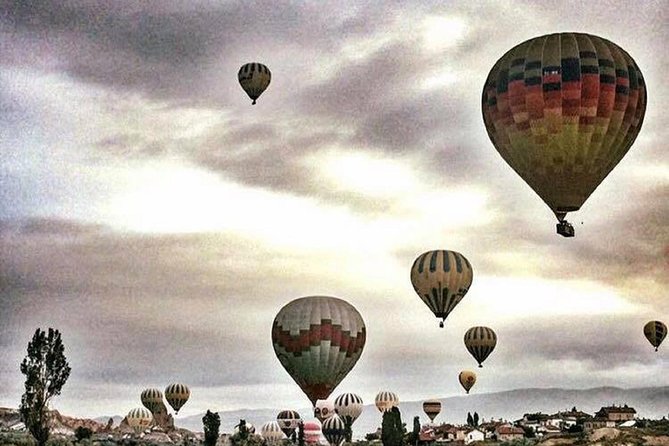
480	342
349	407
152	399
288	421
312	432
334	430
177	395
385	401
441	278
254	78
139	418
655	332
271	432
250	428
432	408
318	340
467	379
562	110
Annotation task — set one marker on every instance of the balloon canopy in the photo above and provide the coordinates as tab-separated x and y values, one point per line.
176	395
562	110
480	342
655	332
467	379
254	78
318	340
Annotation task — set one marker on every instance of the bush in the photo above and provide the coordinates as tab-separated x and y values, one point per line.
82	432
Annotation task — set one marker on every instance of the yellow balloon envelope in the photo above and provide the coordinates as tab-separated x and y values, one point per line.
467	379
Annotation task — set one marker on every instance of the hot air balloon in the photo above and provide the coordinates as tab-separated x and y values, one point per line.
349	407
152	399
480	342
177	395
467	379
441	278
318	340
562	110
254	78
432	408
334	430
271	432
312	432
288	421
139	418
324	409
385	401
250	428
655	332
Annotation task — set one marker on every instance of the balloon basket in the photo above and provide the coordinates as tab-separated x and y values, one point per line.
565	229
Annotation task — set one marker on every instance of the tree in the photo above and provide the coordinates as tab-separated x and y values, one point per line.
470	420
211	422
476	419
82	432
415	434
46	371
392	430
300	434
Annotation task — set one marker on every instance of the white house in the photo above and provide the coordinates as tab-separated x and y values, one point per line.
474	435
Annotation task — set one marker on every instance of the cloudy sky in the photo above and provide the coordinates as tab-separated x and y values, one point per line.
160	221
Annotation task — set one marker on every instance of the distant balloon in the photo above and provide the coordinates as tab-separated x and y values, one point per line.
324	409
467	379
312	432
177	395
480	342
562	110
288	421
271	432
655	332
139	418
334	430
385	401
441	278
250	428
152	399
254	78
432	408
318	340
348	406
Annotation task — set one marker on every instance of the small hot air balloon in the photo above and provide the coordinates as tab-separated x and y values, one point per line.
334	430
480	342
432	408
312	432
250	428
467	379
441	278
152	399
254	78
324	409
271	432
655	332
177	395
385	401
139	418
349	407
562	110
318	340
288	421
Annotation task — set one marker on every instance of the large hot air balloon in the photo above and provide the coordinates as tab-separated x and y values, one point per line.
139	418
467	379
562	110
288	421
334	430
655	332
349	407
324	409
441	278
177	395
152	399
432	408
312	432
318	340
271	432
480	342
385	401
254	78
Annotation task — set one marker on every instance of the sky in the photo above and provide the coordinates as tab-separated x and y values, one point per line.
160	221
